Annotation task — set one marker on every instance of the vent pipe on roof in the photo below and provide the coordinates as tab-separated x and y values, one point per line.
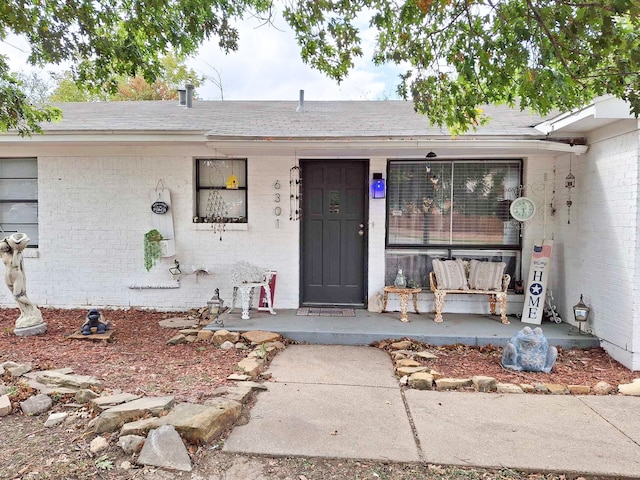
300	107
182	97
190	89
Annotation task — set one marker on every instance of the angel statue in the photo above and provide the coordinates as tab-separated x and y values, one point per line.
30	321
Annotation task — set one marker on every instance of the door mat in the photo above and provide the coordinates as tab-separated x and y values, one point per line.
326	312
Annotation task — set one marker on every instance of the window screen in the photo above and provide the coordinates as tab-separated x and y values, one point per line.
452	203
19	198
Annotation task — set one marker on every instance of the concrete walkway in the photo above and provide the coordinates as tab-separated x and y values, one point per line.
345	402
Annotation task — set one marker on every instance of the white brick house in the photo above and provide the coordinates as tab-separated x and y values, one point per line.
83	191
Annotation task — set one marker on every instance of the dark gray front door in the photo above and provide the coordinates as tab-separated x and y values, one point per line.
334	196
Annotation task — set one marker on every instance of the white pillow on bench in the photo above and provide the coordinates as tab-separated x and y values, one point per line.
485	275
450	274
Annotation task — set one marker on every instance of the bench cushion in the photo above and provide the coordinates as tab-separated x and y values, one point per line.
450	274
486	275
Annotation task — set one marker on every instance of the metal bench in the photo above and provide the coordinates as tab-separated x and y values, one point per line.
246	277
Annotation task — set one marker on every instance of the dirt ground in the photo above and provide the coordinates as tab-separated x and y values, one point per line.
138	360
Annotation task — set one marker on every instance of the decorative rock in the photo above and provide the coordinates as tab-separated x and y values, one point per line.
221	336
85	395
257	337
8	364
195	423
402	345
205	335
238	377
36	405
241	346
251	366
436	374
5	405
579	389
602	388
69	380
177	322
190	338
126	465
452	383
508	388
98	444
483	383
108	401
275	346
164	448
401	371
421	381
190	331
228	345
176	340
114	417
557	389
404	380
407	362
241	392
541	388
19	370
56	419
529	351
527	388
131	444
425	355
632	388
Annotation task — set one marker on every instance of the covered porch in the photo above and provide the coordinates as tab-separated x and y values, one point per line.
365	328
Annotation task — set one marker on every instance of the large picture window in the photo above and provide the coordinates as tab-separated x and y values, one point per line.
450	209
19	197
221	190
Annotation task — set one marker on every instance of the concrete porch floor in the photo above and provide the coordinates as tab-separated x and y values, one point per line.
366	328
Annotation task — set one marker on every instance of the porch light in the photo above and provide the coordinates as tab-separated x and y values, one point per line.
581	314
377	186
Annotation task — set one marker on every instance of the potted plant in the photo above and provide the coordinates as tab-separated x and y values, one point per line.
152	248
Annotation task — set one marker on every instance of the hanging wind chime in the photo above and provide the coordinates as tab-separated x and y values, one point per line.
294	193
569	183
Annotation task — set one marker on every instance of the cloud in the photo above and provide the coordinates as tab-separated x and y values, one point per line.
268	66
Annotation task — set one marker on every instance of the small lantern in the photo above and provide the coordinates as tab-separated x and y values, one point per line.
581	314
377	186
215	305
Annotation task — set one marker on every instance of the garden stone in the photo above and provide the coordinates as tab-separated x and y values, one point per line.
602	388
421	381
85	395
257	337
579	389
632	388
164	448
221	336
241	346
98	444
69	380
557	389
239	377
205	335
508	388
407	362
483	383
19	370
452	383
36	405
529	351
176	340
227	346
251	366
55	419
131	444
114	417
5	405
107	401
401	371
402	345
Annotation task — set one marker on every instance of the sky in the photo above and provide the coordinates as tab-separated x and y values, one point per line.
266	66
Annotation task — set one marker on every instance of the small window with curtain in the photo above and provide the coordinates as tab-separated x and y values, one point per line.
19	198
221	190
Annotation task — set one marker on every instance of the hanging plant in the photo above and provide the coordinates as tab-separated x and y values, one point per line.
152	248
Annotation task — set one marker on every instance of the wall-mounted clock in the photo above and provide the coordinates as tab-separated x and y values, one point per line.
522	209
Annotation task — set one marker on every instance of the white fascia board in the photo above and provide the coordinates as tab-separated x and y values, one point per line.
113	137
351	147
603	108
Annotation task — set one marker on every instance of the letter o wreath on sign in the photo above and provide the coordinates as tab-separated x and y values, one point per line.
159	207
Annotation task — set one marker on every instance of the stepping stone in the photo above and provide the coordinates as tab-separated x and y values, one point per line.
164	448
68	380
113	418
178	322
94	337
108	401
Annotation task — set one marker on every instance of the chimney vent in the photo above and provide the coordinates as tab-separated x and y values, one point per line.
182	97
300	107
190	89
